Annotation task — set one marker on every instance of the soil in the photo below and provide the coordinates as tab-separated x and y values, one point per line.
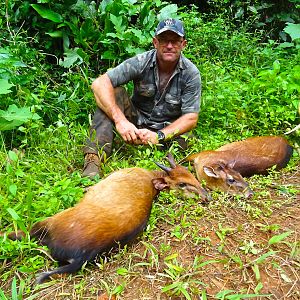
232	245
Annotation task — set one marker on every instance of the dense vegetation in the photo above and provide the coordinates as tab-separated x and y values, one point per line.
50	51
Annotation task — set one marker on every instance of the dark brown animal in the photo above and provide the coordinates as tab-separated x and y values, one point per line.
223	168
256	155
217	171
112	212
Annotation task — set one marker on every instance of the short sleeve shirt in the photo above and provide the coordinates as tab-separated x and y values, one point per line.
156	109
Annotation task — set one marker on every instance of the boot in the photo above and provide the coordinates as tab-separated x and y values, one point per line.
91	165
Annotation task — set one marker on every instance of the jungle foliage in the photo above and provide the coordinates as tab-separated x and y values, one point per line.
50	52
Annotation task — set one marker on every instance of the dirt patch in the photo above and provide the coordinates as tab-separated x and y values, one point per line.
231	247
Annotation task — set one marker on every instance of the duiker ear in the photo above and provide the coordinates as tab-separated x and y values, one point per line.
160	183
209	171
231	164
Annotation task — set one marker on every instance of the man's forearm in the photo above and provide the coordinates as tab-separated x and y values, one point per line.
105	98
183	124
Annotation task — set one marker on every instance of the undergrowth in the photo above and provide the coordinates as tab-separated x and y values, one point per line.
249	89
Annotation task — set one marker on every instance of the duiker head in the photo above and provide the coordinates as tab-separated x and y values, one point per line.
224	178
180	179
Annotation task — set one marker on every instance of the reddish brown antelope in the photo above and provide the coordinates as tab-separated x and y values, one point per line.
223	168
112	212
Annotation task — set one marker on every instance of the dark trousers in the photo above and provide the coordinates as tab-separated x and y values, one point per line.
101	133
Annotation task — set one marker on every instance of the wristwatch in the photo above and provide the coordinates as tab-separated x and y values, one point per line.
160	136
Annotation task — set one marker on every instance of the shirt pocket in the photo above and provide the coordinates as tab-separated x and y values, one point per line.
172	99
146	90
173	105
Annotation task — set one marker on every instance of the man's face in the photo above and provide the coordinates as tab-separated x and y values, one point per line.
168	45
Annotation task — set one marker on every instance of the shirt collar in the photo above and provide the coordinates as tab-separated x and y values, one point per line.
180	64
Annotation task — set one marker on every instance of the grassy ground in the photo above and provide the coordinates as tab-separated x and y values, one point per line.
231	248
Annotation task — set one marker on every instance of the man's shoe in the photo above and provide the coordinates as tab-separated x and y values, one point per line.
91	165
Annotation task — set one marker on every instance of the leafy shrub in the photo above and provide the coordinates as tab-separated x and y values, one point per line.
110	30
248	88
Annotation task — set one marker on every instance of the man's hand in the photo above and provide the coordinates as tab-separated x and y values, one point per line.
147	136
128	131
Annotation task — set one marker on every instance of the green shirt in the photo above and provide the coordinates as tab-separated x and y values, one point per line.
158	109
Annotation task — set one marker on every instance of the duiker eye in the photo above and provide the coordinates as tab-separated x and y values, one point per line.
231	180
182	185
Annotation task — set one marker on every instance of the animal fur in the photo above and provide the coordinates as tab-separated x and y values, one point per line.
112	212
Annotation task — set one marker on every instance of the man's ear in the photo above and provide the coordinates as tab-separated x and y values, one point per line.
160	183
155	42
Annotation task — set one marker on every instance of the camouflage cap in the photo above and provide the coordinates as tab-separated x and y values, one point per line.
172	25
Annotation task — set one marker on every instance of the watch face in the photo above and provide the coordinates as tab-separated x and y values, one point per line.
160	135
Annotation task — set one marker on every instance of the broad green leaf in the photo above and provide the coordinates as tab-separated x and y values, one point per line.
13	214
103	5
278	238
145	11
16	218
7	59
55	34
5	86
22	114
138	33
108	54
71	58
117	21
14	117
13	189
2	296
122	271
253	9
276	66
293	30
12	155
169	11
286	45
263	257
239	12
47	13
118	290
14	290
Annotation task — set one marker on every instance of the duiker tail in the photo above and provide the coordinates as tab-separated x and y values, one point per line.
72	267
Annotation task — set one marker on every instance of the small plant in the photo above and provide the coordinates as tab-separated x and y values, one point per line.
249	247
17	292
222	233
232	295
183	283
279	238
